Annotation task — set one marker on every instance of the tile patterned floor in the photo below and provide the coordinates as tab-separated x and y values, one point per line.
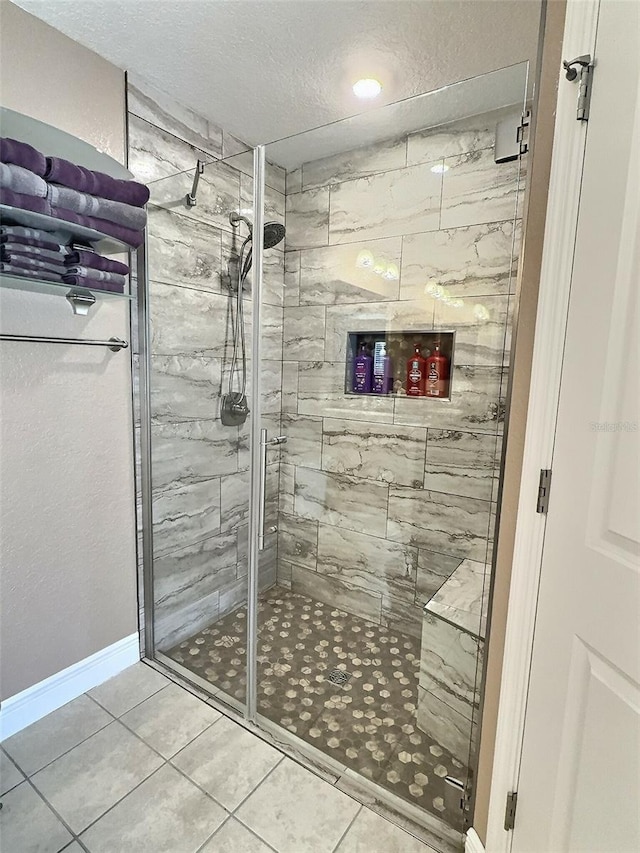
141	764
368	724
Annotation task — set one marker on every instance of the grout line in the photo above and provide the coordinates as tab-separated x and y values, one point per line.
260	784
55	812
345	833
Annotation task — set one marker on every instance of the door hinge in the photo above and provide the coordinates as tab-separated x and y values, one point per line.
584	76
510	810
544	487
522	133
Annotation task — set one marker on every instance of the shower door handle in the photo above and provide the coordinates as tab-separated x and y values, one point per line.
264	444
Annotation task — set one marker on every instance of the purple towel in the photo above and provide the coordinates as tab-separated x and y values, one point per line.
21	272
119	232
79	178
85	258
97	275
34	252
32	263
19	240
93	283
22	154
25	202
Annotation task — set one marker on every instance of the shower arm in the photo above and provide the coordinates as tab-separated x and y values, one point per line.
190	198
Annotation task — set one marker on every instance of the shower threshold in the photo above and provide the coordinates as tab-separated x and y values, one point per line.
366	725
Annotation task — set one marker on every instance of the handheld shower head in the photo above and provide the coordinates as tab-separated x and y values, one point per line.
273	231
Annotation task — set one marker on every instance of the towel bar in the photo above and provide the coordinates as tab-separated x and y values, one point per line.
114	344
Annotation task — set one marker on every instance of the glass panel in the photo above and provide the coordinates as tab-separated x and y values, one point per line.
385	364
199	433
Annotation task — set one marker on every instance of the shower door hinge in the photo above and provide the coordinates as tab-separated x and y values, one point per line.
584	75
510	810
522	133
544	487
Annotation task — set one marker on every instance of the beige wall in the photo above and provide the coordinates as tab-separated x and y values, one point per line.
67	507
542	137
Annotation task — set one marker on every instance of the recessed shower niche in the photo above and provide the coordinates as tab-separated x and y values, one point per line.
414	364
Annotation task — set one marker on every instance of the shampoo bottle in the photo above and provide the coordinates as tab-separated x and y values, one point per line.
437	382
416	373
382	369
363	372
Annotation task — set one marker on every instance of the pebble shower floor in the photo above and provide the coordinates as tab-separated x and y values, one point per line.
368	723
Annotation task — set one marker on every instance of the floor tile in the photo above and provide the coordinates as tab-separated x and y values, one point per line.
85	782
10	776
235	838
27	824
370	833
227	761
127	689
296	812
166	814
47	739
74	847
170	719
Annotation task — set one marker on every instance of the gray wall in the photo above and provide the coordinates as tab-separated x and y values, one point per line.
67	515
382	498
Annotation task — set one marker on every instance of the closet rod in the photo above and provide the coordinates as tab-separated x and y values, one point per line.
114	344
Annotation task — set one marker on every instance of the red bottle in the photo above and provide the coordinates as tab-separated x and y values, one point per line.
416	368
437	374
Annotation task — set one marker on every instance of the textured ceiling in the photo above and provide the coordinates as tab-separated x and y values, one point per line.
265	69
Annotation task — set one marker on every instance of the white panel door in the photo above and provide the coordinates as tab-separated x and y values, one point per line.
579	785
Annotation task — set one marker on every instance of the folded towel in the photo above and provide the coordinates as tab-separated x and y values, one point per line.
21	232
22	154
63	172
93	260
21	180
32	263
24	202
24	272
119	232
94	283
102	208
97	275
19	240
32	252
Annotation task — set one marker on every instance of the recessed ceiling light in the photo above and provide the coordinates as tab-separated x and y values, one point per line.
367	88
439	168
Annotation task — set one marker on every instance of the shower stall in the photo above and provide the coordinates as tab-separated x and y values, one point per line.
315	558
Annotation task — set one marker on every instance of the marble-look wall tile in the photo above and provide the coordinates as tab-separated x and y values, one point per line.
271	331
189	452
445	726
481	328
304	440
284	572
400	613
289	386
183	251
150	103
293	181
353	272
287	488
155	155
184	388
291	278
321	392
474	404
367	562
202	329
185	514
472	133
234	500
307	219
270	386
462	600
460	463
304	333
433	570
176	622
338	593
405	201
357	163
391	454
475	260
476	189
436	522
298	541
274	201
348	502
448	663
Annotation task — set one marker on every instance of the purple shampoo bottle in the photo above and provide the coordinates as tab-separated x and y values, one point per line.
363	372
382	370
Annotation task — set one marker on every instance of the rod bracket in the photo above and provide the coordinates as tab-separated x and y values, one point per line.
80	301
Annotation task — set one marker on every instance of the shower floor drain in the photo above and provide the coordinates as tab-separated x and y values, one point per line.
338	676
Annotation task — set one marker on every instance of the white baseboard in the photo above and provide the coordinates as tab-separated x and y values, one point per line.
41	699
472	843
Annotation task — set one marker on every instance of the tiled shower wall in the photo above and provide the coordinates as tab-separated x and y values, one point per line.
382	498
200	468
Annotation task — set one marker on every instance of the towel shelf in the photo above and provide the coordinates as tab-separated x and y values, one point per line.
114	344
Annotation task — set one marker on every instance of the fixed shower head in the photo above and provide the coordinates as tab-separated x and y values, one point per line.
273	231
